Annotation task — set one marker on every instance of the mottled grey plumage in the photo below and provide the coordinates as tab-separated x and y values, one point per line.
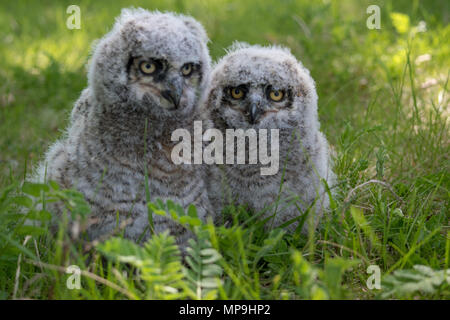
259	72
152	67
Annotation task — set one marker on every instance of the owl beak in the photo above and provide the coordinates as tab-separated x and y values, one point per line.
174	91
254	112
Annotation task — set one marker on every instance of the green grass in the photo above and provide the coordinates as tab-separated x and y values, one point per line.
383	107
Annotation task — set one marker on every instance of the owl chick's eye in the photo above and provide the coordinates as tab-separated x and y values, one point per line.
276	95
147	67
237	93
186	70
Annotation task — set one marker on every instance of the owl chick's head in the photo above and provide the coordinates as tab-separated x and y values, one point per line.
150	62
261	87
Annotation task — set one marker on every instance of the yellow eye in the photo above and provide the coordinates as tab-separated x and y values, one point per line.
237	93
186	69
276	95
147	67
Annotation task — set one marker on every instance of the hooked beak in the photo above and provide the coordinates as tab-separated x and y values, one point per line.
174	91
254	113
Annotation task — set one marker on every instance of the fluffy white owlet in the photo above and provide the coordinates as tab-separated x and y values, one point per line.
255	87
144	81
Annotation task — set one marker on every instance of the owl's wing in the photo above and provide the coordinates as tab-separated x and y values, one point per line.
56	156
82	106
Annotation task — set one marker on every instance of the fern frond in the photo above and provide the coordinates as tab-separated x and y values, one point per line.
203	273
404	283
158	264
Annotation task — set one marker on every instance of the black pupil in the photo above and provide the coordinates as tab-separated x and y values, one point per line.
236	91
148	65
276	93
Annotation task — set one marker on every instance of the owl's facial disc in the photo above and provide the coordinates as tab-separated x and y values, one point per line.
157	82
254	104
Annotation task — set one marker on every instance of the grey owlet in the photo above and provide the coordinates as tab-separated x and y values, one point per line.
255	87
144	81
